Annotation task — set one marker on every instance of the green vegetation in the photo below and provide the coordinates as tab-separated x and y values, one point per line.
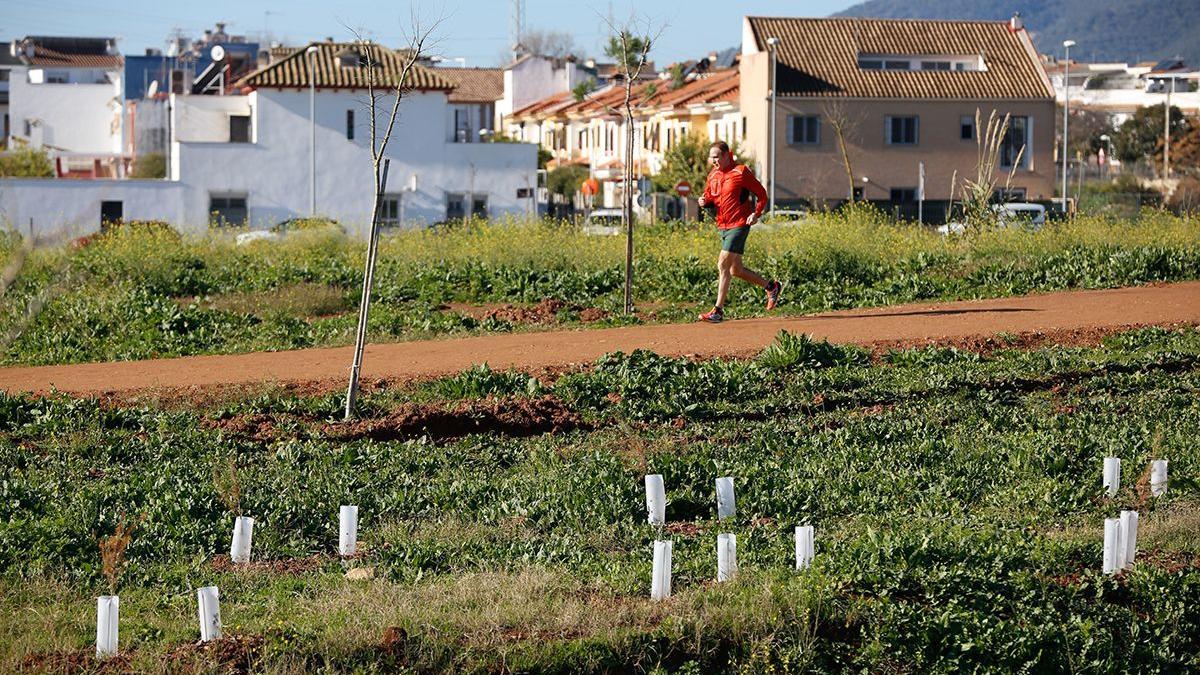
23	161
956	498
143	292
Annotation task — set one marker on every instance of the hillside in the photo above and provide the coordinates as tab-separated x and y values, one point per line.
1104	30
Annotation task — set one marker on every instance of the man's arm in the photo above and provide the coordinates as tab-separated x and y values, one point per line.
751	183
707	197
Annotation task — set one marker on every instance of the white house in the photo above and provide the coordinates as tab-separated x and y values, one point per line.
247	157
532	78
66	94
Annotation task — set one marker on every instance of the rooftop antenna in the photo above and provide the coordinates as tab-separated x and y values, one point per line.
516	26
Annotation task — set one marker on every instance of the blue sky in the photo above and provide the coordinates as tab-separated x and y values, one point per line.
474	29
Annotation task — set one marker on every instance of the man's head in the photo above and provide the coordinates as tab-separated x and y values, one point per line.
719	156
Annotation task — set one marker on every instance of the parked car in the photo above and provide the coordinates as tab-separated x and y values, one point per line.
1013	214
603	222
285	227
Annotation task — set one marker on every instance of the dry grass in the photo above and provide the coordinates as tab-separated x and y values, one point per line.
452	622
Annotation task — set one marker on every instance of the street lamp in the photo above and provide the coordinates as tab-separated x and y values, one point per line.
1108	149
1167	129
1067	44
312	131
773	48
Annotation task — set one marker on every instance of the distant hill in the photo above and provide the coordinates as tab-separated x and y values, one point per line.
1104	30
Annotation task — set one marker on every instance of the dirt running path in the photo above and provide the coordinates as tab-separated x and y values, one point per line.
918	323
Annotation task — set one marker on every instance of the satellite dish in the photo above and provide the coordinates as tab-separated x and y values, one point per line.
217	53
152	90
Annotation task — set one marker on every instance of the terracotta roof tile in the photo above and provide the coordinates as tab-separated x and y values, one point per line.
293	71
61	58
819	57
474	85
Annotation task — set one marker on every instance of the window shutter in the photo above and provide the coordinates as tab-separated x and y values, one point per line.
887	129
791	129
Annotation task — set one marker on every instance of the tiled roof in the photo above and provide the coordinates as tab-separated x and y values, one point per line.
69	52
474	85
819	57
329	73
721	86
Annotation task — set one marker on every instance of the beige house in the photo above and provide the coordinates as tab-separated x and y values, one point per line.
902	93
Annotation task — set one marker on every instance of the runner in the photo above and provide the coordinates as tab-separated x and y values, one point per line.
728	188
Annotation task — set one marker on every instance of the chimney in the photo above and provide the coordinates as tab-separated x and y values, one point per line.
1015	24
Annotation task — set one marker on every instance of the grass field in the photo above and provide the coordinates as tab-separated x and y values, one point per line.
145	295
956	499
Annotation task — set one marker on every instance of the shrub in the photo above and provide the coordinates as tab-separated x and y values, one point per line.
26	162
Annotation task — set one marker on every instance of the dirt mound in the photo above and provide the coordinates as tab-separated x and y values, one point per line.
986	345
76	661
512	416
230	654
223	563
254	426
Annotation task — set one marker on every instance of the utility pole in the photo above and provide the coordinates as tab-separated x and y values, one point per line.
1167	130
773	48
1067	44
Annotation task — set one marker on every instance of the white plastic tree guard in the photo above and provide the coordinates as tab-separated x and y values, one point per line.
108	610
208	602
1112	545
348	530
243	533
1112	475
726	556
656	500
660	583
1158	477
1129	528
804	546
725	504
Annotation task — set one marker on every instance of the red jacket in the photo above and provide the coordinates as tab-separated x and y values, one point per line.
727	188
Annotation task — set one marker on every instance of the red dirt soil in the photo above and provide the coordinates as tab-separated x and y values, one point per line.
1052	314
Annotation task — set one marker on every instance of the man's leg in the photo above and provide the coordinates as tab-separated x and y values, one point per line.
724	276
742	272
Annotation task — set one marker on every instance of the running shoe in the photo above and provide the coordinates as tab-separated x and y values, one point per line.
717	315
773	289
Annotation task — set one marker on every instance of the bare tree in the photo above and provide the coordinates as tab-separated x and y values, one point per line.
630	45
551	43
845	125
388	75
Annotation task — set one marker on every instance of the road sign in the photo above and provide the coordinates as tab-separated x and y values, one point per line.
644	185
683	188
590	186
644	200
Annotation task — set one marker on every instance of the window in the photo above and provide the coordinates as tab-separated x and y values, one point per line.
349	125
389	210
1015	144
896	65
461	130
4	75
57	77
966	128
935	65
479	208
870	64
227	210
239	128
804	130
904	195
454	206
857	192
901	130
